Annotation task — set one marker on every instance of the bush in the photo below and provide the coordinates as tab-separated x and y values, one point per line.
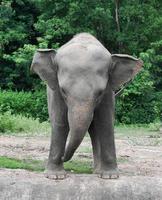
139	109
25	103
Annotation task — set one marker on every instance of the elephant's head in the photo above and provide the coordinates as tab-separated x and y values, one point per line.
82	83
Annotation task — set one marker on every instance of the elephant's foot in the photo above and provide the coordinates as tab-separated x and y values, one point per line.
108	174
55	174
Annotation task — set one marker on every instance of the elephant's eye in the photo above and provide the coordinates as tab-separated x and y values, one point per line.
63	91
99	94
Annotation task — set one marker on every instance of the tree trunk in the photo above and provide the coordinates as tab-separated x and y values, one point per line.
118	23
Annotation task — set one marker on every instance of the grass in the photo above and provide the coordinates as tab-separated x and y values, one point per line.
137	130
75	166
78	167
12	163
146	141
18	124
142	135
85	149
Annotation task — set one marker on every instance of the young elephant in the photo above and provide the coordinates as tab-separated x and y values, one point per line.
81	79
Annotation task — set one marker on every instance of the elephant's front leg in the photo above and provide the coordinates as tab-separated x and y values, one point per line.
58	117
103	128
55	168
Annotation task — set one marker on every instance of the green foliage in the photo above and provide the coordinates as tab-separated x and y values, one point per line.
21	77
16	36
25	103
12	124
64	19
136	110
140	23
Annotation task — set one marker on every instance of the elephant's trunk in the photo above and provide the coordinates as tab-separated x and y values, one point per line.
79	117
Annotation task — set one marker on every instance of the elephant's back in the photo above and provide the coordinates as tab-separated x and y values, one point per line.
83	48
82	40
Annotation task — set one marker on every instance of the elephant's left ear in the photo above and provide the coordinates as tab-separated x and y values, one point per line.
124	68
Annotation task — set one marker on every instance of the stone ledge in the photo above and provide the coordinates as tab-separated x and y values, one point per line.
23	185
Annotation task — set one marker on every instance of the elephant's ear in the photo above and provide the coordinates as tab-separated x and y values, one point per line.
45	66
123	69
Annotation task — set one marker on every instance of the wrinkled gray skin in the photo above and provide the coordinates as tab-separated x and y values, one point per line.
81	79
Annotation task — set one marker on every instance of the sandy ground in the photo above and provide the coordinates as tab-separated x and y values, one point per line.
136	156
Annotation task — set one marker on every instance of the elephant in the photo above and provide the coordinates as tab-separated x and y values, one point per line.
82	77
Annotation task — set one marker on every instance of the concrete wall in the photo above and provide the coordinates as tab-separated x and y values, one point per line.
32	186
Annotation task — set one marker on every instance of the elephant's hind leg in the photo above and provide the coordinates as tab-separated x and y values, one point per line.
96	147
108	163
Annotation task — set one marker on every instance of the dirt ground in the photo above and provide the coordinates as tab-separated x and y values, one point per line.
136	156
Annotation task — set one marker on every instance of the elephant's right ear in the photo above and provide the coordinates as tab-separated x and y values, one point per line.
44	65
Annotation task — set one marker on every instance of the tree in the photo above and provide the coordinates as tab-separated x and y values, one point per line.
16	29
